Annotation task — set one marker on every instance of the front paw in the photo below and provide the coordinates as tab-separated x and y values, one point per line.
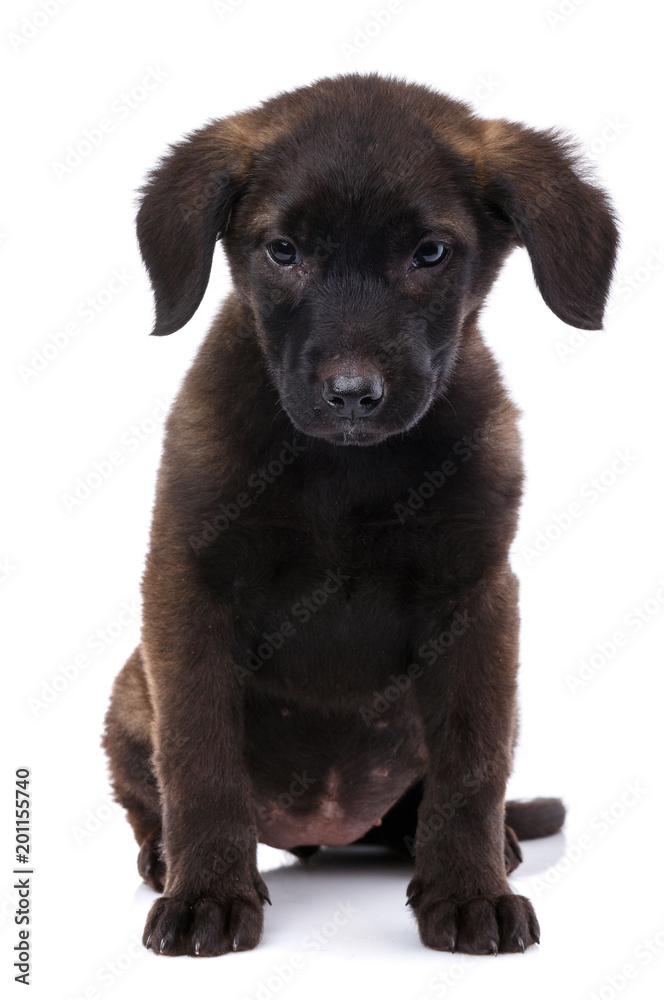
484	925
205	926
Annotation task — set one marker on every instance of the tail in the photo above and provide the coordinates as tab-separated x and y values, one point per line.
535	818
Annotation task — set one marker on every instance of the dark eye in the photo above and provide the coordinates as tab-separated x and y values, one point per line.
431	253
282	252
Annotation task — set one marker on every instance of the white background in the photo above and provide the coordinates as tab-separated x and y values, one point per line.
595	69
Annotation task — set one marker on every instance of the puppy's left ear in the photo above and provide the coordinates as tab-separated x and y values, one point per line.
564	220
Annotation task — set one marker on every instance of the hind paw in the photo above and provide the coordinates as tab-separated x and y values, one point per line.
513	855
151	865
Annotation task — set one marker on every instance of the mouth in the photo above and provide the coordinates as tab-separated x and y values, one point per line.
350	432
354	437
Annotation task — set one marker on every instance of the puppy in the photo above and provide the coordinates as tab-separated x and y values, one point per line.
330	625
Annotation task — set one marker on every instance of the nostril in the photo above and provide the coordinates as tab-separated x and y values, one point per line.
370	402
353	395
372	393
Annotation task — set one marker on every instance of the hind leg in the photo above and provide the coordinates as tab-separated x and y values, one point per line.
127	744
513	855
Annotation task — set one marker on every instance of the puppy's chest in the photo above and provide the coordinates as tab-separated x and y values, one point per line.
322	608
332	613
303	566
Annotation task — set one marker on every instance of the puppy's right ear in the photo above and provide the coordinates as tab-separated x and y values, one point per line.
185	206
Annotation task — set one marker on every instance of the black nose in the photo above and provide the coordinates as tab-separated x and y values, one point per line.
353	395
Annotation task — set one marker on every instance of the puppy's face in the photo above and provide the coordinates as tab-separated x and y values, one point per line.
364	221
361	259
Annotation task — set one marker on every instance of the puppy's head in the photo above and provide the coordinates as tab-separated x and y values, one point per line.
364	221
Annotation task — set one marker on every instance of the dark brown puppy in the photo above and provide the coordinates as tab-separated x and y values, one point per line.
330	619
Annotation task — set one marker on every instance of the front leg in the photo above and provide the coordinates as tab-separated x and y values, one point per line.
459	891
213	894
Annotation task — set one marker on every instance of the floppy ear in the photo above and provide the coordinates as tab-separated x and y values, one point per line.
185	206
564	221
